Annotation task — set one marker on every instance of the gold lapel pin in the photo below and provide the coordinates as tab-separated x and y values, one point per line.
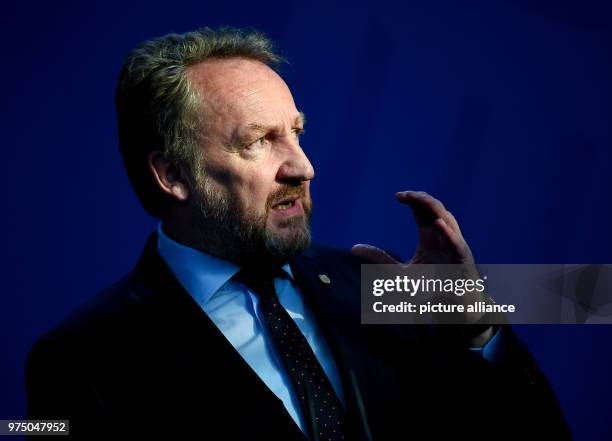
324	278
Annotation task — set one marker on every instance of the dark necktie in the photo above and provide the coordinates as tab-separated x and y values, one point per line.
317	397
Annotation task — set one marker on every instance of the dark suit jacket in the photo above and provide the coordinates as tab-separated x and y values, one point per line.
142	358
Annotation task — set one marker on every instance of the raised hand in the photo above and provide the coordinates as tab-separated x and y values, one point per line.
440	238
440	242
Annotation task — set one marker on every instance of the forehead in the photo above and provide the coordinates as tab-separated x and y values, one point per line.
242	89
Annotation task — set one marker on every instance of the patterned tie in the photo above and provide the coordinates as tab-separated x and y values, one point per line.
317	397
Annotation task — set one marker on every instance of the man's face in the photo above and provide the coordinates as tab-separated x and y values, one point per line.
253	197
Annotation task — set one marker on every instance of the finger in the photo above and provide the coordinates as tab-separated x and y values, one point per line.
415	200
407	196
456	240
446	230
452	221
433	204
372	254
427	209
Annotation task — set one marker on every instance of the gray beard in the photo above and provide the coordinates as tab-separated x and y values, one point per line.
230	233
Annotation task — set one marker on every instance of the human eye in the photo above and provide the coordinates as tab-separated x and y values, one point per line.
298	131
260	142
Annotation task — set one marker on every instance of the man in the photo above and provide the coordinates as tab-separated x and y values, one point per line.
232	325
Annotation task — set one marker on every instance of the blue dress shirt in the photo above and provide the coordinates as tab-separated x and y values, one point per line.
234	309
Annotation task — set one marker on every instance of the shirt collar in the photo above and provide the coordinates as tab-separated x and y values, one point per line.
200	273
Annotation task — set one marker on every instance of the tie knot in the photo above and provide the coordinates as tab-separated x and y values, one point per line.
260	279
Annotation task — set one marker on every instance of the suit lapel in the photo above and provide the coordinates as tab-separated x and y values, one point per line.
198	345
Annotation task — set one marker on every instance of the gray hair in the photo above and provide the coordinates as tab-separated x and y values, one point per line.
157	107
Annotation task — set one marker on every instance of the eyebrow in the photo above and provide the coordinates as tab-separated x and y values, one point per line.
300	121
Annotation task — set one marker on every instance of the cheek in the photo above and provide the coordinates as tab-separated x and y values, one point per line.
257	192
221	176
251	190
250	185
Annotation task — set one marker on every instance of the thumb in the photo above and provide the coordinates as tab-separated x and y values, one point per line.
372	254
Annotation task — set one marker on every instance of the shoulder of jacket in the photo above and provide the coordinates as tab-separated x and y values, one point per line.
107	313
326	253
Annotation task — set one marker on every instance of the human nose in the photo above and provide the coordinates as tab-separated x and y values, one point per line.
296	165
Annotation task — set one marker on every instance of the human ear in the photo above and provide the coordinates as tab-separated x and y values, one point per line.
170	178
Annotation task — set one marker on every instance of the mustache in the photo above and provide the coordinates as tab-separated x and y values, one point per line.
285	192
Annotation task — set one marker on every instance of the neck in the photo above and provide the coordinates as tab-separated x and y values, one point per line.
193	237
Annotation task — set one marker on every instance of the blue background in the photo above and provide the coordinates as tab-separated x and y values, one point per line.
500	109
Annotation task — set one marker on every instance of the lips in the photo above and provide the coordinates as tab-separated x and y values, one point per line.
285	203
